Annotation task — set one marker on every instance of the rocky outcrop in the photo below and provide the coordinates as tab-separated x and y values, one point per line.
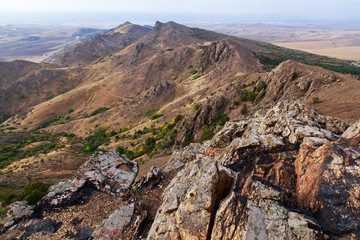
107	172
114	225
188	154
277	193
103	176
257	211
15	212
190	200
328	182
284	127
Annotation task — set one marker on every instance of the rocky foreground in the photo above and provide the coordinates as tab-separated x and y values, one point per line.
289	174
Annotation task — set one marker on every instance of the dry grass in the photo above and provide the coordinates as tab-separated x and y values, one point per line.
325	48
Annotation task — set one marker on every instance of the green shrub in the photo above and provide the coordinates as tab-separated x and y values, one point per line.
196	107
236	103
187	140
294	76
244	110
9	199
219	120
156	116
248	96
316	99
124	129
121	150
261	87
99	110
94	141
206	134
33	192
192	72
46	123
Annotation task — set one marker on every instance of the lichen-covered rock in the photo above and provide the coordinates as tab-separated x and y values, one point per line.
328	184
287	122
187	154
257	212
351	136
113	225
190	200
107	172
15	212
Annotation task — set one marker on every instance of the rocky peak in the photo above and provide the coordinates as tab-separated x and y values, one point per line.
170	34
127	28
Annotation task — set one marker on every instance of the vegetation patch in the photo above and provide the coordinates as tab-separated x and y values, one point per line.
208	130
196	107
244	110
207	133
99	110
12	144
46	123
31	193
100	137
156	116
193	72
187	140
316	99
162	138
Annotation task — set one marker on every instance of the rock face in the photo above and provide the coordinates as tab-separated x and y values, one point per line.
113	226
258	212
14	212
190	201
106	172
328	183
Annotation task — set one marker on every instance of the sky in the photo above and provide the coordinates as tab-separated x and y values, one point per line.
183	10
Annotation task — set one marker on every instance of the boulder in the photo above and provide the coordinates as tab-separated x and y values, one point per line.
112	226
14	212
108	172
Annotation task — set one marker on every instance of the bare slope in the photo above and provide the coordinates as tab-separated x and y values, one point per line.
103	44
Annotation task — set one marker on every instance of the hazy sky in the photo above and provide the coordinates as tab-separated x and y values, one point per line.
206	10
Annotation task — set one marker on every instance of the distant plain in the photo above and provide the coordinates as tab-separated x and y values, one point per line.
37	42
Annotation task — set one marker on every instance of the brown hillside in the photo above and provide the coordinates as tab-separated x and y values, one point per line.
101	45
